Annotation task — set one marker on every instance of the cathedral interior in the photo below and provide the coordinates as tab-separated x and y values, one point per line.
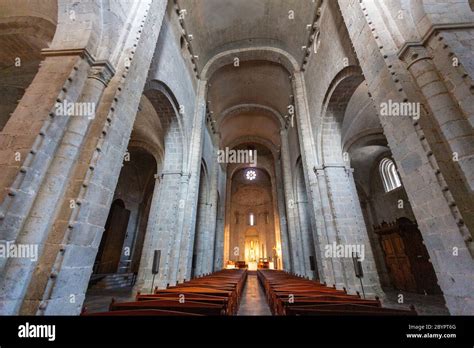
236	157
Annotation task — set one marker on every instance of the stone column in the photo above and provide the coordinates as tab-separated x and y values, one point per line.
160	233
443	229
208	260
219	244
452	124
296	247
36	226
194	164
306	234
309	161
183	215
60	283
227	221
334	270
284	238
350	230
200	238
33	134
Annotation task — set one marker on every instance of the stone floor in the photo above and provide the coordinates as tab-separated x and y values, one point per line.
424	304
98	300
253	300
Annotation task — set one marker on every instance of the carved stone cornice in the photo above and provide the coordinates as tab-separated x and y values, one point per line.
433	29
81	52
414	54
103	71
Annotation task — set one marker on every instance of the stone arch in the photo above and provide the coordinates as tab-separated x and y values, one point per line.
268	53
24	32
264	167
136	244
87	20
257	140
335	103
236	109
135	187
167	108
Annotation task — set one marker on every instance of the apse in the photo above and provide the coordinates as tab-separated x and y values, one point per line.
252	220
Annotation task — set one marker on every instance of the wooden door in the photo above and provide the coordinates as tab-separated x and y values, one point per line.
398	262
422	268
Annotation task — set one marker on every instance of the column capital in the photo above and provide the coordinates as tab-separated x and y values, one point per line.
414	54
102	71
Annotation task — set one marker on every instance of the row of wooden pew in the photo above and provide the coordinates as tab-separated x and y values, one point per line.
292	295
215	294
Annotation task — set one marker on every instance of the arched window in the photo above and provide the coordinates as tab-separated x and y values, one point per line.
389	175
252	219
471	3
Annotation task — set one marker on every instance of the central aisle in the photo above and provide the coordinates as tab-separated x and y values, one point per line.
253	300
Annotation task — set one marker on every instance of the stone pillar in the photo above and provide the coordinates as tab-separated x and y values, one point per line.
194	165
334	270
219	244
182	215
284	238
451	53
227	222
442	228
160	233
452	122
200	237
32	135
315	198
37	226
296	247
59	283
208	260
275	240
306	234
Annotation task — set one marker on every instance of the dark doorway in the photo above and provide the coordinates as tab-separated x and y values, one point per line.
110	249
406	257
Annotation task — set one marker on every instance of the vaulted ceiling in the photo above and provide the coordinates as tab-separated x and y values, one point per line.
220	25
251	98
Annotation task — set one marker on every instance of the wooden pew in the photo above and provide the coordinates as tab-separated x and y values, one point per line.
292	295
171	305
142	312
346	309
215	294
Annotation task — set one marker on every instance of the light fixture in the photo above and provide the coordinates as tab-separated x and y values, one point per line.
251	174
